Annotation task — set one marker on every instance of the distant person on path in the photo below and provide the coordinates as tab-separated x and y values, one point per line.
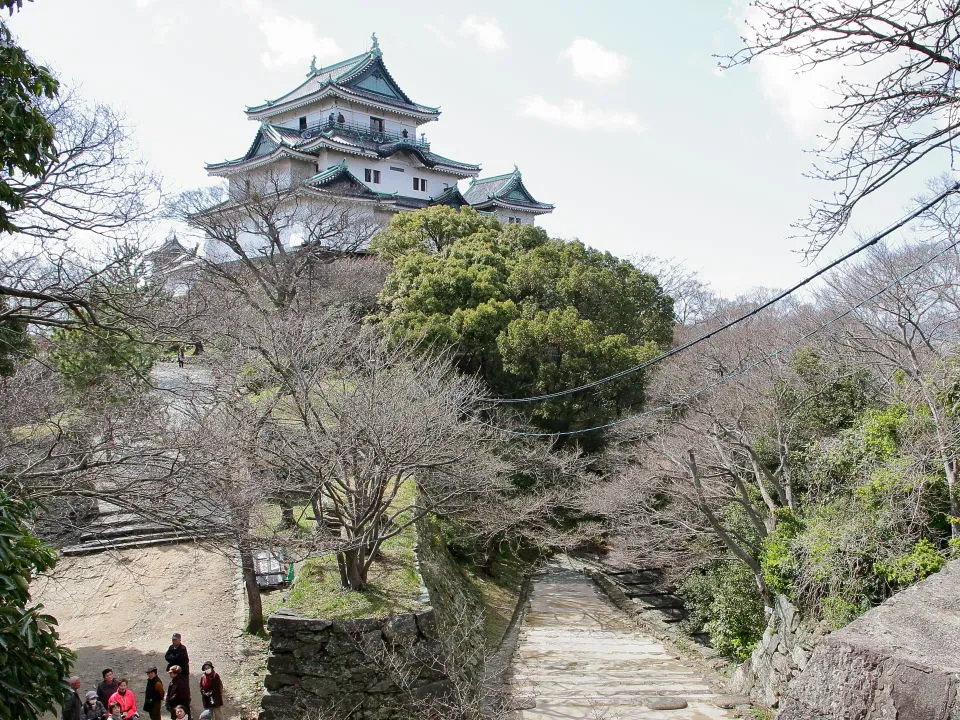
72	704
125	698
181	357
178	691
93	709
211	691
153	695
177	655
107	688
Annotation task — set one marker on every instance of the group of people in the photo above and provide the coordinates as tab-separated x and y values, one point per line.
114	700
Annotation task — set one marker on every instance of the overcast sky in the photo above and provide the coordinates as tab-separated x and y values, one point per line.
614	111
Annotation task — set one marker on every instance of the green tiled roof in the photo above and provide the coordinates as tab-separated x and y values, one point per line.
364	76
508	189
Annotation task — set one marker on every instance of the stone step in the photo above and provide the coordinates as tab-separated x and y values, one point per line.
123	531
96	546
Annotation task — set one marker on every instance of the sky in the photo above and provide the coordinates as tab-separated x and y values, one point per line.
615	111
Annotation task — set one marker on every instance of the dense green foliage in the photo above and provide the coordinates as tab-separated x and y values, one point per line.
32	664
26	136
90	357
530	314
724	603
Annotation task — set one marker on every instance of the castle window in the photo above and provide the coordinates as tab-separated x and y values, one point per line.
370	175
376	124
420	184
303	123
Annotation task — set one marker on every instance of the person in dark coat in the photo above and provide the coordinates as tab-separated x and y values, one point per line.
93	709
153	695
178	691
177	655
72	704
211	691
108	687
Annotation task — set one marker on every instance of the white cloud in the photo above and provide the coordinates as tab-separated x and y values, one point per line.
591	61
576	115
290	40
801	97
486	32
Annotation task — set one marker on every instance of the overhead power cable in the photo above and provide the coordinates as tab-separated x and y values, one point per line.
741	371
760	308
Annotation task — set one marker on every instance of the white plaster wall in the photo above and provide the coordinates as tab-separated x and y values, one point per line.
526	218
400	181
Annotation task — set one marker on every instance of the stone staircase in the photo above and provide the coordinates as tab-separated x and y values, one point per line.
580	658
114	529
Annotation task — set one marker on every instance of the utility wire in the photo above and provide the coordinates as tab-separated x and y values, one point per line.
760	308
743	370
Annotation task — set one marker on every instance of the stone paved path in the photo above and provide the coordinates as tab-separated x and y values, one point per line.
580	657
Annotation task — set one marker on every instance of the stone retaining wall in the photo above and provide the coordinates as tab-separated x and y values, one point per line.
368	669
782	654
900	660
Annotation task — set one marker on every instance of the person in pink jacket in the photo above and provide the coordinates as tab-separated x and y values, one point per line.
128	701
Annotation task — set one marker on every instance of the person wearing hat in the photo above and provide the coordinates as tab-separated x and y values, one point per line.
153	695
93	709
211	691
177	655
178	691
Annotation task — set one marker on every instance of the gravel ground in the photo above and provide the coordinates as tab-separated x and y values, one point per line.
118	609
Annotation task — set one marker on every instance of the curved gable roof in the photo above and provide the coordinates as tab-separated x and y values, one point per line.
507	190
364	77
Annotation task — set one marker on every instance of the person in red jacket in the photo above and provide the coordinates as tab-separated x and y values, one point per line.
128	701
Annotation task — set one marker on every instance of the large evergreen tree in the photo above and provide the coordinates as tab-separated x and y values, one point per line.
530	314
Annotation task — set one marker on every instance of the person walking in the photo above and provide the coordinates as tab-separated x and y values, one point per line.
93	709
177	655
72	704
153	695
211	691
181	356
125	698
107	688
178	691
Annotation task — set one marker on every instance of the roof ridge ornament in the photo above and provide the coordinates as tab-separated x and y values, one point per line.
313	66
375	46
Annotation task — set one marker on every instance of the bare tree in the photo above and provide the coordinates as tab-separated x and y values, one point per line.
895	103
266	244
363	422
909	330
716	468
92	191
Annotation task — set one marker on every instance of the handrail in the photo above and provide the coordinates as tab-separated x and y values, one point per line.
364	132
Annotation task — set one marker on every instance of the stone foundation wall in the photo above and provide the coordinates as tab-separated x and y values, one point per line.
900	661
368	669
781	655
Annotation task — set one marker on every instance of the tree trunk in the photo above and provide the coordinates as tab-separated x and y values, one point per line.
356	572
254	606
342	567
287	520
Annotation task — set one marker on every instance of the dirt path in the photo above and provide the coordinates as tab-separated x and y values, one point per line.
118	609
